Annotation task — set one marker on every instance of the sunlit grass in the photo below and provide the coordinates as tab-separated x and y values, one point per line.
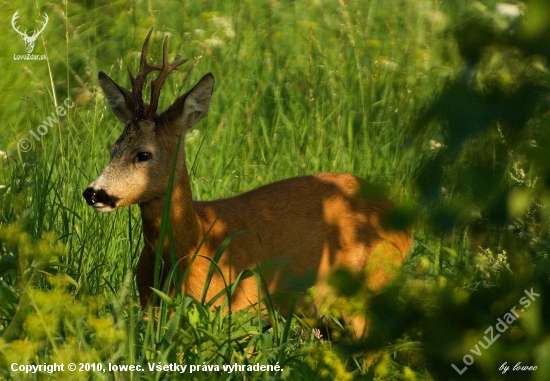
301	88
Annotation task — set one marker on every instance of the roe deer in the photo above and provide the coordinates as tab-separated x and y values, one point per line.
316	223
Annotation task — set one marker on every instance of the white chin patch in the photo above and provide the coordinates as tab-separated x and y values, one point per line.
102	207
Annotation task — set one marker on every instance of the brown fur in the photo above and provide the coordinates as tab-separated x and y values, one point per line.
312	224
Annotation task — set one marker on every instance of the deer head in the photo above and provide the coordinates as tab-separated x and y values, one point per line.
141	158
29	40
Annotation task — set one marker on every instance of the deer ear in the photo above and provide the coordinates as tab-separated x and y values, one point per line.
120	100
188	109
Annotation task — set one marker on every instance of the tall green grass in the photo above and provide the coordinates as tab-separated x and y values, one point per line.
301	87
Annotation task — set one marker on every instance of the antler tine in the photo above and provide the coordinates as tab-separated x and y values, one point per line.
157	83
138	81
13	19
37	32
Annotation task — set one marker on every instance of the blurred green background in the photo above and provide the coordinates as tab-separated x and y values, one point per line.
442	103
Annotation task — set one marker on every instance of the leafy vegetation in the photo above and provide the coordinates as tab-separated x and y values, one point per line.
442	103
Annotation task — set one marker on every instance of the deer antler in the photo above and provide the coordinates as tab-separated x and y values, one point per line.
15	17
156	84
29	40
36	33
137	82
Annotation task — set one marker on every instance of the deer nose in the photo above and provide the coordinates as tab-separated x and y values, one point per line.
98	198
90	195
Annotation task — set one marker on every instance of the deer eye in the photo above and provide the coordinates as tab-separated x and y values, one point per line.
143	156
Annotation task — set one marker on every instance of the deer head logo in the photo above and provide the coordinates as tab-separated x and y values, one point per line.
29	40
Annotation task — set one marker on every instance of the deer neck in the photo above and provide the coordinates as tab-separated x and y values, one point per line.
183	220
